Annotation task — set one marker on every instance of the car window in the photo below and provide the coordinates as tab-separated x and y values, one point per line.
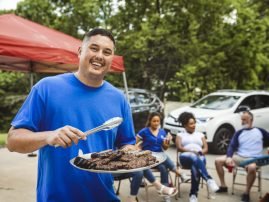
256	101
263	101
143	98
216	102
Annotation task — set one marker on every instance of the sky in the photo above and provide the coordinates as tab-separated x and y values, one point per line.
8	4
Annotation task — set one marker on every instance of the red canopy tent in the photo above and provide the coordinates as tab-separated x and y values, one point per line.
30	47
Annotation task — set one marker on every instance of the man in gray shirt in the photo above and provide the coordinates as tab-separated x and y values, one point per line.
246	143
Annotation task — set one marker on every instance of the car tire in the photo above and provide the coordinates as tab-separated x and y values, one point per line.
221	140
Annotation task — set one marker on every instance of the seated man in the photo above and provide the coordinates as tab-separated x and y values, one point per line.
246	143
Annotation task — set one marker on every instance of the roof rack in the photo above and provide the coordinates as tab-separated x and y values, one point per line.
240	91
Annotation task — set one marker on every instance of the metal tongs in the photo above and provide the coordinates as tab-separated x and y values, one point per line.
108	125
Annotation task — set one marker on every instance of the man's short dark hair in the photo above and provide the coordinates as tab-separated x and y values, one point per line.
99	31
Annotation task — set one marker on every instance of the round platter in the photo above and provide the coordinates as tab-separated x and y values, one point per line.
160	156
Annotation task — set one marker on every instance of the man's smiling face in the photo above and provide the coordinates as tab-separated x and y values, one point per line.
95	57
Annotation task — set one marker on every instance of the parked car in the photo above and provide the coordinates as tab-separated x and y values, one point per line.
142	103
217	115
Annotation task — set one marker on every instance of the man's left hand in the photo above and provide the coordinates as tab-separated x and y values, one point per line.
129	147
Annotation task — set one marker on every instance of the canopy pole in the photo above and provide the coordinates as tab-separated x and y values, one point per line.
125	86
33	154
31	80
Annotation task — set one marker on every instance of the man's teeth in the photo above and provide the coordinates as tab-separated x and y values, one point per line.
97	64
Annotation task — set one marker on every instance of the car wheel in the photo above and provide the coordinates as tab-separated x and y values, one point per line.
221	140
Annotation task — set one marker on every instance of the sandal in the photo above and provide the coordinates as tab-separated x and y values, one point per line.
171	191
132	199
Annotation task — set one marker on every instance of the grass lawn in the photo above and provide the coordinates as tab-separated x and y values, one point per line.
3	137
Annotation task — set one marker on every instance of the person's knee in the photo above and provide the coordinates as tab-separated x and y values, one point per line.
219	162
195	158
251	168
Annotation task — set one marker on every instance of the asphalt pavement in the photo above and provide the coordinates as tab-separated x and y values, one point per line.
18	181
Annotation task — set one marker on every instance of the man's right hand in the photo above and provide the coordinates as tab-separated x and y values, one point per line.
229	161
65	136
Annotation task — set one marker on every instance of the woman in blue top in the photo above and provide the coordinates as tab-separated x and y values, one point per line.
155	139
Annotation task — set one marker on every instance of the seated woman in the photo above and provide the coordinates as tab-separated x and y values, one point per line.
155	139
193	146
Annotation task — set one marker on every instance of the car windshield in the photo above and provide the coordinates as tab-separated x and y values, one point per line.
216	102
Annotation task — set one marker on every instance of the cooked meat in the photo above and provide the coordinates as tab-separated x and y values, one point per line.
143	153
114	160
102	154
127	157
137	163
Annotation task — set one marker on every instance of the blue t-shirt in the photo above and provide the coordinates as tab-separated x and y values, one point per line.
150	141
63	100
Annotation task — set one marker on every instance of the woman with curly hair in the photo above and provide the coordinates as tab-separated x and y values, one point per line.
193	147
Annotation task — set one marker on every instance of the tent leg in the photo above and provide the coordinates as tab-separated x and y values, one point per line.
31	80
125	86
33	154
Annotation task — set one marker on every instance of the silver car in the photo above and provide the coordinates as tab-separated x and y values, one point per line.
142	103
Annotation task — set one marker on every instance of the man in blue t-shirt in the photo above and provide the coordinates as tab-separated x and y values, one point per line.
58	110
246	143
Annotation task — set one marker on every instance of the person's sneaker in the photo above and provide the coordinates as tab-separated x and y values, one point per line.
245	198
222	190
184	177
167	199
212	186
193	198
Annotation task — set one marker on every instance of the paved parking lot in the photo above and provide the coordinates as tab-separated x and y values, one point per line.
18	179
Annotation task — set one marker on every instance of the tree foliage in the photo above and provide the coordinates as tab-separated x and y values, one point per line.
173	47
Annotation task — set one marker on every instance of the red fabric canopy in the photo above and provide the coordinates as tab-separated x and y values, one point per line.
31	47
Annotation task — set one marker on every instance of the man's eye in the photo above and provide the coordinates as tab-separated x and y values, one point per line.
107	53
93	49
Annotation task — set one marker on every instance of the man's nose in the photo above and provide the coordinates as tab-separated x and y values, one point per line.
99	54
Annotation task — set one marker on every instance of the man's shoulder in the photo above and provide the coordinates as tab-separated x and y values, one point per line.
114	89
261	129
54	79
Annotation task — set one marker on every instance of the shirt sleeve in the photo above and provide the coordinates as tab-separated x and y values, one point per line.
233	144
141	133
31	112
126	134
164	132
265	135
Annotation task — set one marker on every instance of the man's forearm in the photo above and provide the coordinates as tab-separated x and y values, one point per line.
25	141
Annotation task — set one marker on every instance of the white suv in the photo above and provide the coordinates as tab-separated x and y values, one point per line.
217	115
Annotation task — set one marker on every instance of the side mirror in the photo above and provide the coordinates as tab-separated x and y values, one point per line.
243	108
